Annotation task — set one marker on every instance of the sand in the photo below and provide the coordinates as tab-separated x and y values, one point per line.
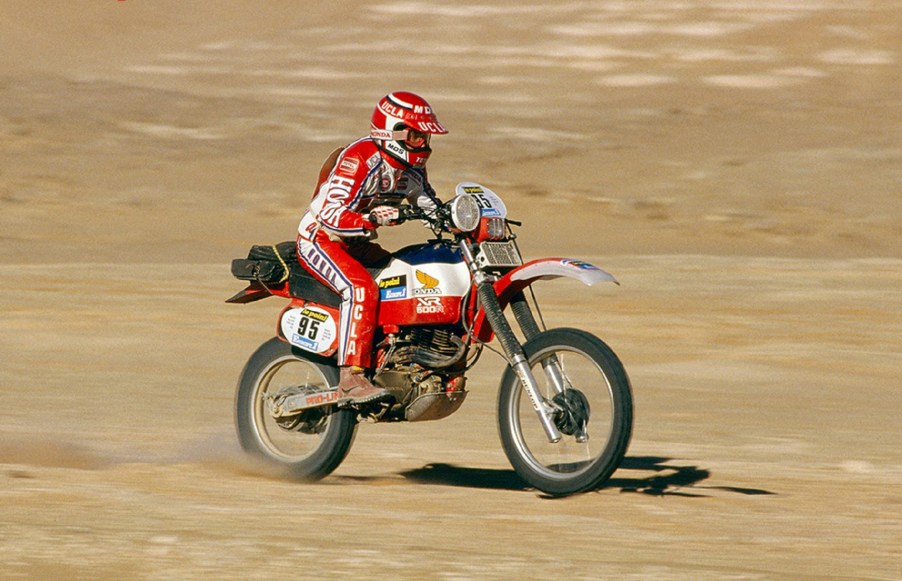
737	165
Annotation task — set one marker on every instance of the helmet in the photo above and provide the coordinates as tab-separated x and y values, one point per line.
401	126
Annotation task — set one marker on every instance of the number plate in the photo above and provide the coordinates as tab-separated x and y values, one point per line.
495	254
309	328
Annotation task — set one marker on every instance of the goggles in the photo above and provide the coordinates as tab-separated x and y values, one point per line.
412	139
415	139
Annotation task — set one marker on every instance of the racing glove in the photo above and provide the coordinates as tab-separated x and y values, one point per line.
384	215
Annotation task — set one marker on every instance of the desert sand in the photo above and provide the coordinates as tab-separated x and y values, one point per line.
737	165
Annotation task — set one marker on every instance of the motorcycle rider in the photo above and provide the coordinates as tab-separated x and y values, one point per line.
361	187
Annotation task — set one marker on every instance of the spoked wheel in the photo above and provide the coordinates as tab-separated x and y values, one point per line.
582	379
309	445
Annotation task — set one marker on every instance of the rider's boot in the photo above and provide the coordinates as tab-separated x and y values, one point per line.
354	387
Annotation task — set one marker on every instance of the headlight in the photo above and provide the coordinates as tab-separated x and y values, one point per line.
465	212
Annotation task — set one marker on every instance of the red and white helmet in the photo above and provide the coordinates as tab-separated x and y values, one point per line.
401	127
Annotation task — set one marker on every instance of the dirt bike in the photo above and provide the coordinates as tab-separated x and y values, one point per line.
565	402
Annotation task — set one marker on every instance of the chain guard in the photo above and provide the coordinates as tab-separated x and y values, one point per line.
300	403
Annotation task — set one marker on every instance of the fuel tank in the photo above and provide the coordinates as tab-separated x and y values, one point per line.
424	284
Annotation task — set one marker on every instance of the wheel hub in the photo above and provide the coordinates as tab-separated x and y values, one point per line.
573	412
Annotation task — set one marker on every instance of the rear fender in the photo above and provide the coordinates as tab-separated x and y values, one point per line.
521	277
256	291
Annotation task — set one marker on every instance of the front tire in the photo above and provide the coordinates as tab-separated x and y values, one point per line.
308	450
595	417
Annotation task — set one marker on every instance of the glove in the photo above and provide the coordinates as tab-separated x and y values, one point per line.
384	215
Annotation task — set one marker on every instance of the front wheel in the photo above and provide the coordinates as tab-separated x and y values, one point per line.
309	446
582	379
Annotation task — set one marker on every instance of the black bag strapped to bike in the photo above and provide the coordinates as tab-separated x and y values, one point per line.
266	264
275	264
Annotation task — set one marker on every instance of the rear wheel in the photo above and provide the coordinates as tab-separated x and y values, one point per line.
584	381
309	446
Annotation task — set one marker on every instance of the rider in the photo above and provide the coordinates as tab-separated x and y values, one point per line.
361	188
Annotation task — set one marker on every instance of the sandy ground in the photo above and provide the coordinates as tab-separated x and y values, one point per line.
737	165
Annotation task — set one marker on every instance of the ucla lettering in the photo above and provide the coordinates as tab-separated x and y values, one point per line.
390	109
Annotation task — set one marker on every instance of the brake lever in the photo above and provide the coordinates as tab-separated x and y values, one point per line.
410	213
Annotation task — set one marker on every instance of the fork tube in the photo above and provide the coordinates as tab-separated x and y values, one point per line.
512	349
516	357
524	316
530	328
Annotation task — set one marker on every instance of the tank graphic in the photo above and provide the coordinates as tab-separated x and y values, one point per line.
422	285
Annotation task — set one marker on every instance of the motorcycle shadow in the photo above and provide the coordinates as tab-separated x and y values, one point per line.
670	479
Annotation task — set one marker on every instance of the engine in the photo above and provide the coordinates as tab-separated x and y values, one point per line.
430	347
415	367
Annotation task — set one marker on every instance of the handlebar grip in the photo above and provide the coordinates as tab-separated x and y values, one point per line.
405	213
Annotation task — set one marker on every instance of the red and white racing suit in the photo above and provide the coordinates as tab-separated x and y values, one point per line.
334	237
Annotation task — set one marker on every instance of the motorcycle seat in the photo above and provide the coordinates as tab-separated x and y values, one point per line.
267	263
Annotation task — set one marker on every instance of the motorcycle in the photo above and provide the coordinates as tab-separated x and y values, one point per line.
564	402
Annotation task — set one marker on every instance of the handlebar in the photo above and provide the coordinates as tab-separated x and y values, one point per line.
405	213
438	219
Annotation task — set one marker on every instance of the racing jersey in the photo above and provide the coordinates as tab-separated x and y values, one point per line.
361	180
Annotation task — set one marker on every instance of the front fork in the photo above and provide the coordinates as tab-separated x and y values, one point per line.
517	359
512	348
551	365
530	328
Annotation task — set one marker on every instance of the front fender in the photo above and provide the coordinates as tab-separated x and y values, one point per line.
549	268
521	277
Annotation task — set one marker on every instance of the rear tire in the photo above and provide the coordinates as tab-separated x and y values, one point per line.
314	447
597	396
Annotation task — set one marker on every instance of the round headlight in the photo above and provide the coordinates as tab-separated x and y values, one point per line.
465	212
